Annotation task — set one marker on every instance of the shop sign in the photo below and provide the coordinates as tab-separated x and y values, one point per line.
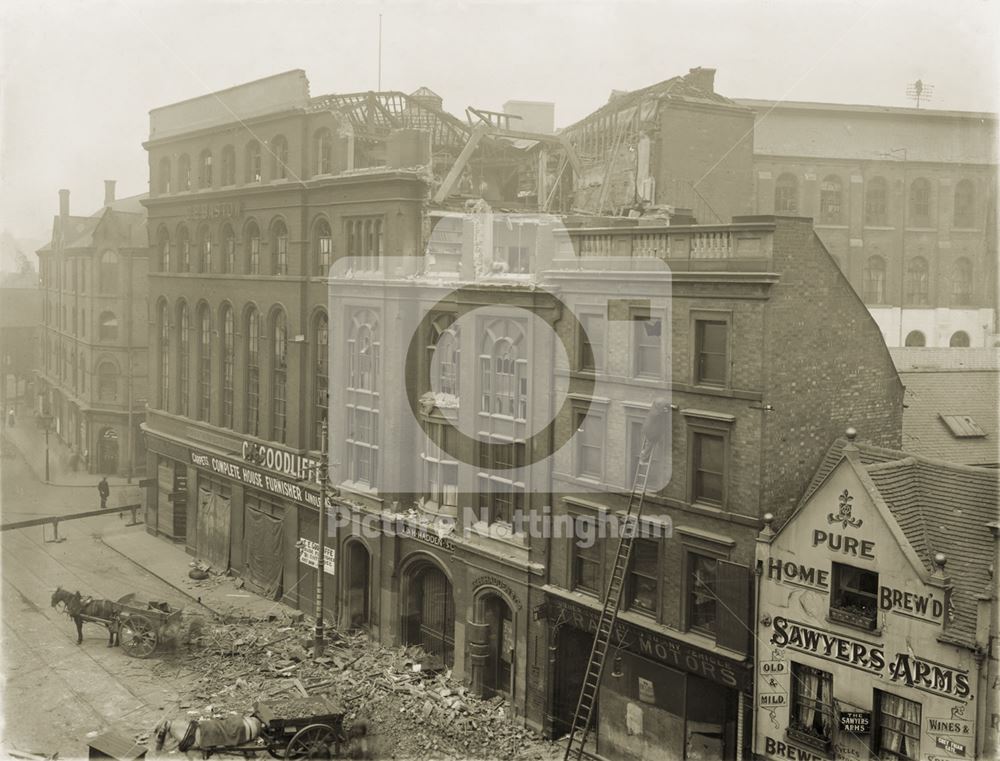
770	668
922	607
856	722
950	746
956	726
248	476
773	699
805	639
295	466
309	555
225	209
934	678
496	581
783	750
421	534
848	545
671	652
789	572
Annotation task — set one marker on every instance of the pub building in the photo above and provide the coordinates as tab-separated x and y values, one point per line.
875	610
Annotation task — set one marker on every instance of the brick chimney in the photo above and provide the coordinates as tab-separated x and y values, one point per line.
703	79
109	192
63	203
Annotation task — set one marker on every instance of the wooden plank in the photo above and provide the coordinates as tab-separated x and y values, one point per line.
463	158
70	517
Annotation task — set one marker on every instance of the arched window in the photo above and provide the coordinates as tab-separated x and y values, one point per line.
917	281
228	165
364	357
184	249
279	377
877	203
920	203
961	282
163	392
279	157
204	249
251	238
959	339
253	162
204	363
964	204
108	274
184	360
253	372
165	169
228	249
228	364
184	172
108	329
324	247
915	338
875	280
830	201
321	340
163	247
786	194
445	351
323	144
279	248
107	382
362	398
205	169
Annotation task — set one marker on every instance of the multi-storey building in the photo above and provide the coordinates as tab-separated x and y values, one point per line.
905	201
93	344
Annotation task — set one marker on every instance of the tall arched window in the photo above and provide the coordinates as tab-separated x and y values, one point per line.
279	377
445	351
253	372
184	172
253	164
875	280
279	157
163	391
204	363
917	282
228	165
920	203
205	169
324	247
959	339
108	327
184	249
915	338
786	194
964	204
831	201
877	202
163	247
323	144
228	364
322	353
251	238
107	382
961	282
108	273
204	249
362	398
184	361
165	169
279	248
228	249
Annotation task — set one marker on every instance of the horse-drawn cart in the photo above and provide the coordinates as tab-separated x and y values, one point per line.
140	625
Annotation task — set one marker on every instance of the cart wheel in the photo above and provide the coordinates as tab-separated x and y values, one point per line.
314	741
137	636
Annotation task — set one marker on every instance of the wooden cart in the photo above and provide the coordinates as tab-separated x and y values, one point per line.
140	625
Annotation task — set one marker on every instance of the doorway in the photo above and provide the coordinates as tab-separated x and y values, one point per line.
108	457
430	614
500	626
572	647
358	563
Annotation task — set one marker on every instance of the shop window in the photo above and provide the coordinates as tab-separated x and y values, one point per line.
959	339
279	248
108	328
854	596
786	194
586	556
875	280
228	249
251	237
364	244
322	402
915	338
253	372
165	170
228	165
589	444
324	248
591	342
108	273
184	172
961	282
831	201
253	162
701	597
279	157
920	203
642	592
647	337
279	379
228	364
897	727
877	203
711	352
184	358
205	169
708	467
964	204
811	716
917	282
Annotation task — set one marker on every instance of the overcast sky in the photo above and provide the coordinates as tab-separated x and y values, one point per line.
79	77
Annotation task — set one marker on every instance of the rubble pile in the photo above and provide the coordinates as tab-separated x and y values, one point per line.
411	710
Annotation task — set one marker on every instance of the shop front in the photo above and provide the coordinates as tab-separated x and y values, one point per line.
660	697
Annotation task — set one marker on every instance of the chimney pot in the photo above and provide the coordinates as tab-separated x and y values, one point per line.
63	203
109	192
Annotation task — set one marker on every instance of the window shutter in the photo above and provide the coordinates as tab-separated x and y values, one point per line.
732	586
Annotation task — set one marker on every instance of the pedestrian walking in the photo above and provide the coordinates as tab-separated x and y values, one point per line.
104	490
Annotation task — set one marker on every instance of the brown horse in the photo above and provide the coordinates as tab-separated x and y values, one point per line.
87	608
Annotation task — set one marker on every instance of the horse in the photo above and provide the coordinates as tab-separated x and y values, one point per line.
78	607
186	735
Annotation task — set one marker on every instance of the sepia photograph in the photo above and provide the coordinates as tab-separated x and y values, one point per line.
495	380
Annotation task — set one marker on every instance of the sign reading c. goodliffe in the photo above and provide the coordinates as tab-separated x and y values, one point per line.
309	555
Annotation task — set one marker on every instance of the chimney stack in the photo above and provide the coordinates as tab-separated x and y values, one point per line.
703	79
109	192
63	203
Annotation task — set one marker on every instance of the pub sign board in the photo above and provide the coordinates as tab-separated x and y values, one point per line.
856	722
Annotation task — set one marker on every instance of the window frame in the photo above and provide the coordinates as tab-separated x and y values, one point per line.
595	417
586	345
576	556
831	200
656	577
879	722
877	202
863	619
698	319
787	192
920	207
822	707
870	280
651	315
718	426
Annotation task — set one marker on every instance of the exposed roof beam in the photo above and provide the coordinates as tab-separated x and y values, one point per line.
460	163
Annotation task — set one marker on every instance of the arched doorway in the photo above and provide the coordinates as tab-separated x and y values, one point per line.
429	618
357	595
498	642
108	454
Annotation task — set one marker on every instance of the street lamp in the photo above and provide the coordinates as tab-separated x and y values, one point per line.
45	421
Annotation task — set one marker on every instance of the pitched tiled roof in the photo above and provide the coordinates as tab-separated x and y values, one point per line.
908	358
932	395
78	232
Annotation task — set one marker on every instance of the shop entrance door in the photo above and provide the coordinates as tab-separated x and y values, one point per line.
358	616
572	654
